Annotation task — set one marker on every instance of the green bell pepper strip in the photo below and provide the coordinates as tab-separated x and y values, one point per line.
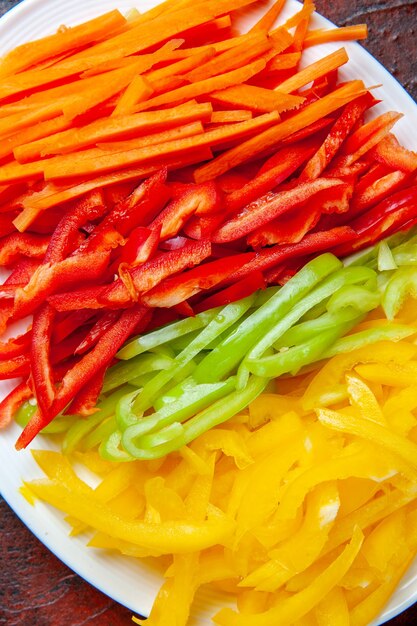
189	402
226	356
59	425
353	296
293	359
402	284
386	259
405	255
306	330
214	415
163	335
96	436
126	370
82	427
110	450
224	319
390	332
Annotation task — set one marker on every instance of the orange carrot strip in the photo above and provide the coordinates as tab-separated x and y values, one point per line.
231	59
32	133
181	67
345	33
315	70
280	39
225	117
29	54
187	130
137	91
53	195
112	128
257	98
63	167
13	123
305	12
206	86
284	61
148	34
17	173
272	136
266	22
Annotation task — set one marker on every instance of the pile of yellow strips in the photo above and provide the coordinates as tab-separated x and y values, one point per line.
303	508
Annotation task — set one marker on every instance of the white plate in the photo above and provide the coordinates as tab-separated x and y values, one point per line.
126	580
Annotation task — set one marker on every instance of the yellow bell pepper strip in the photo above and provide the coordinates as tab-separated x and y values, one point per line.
165	538
294	607
382	543
361	397
367	429
390	374
221	361
333	609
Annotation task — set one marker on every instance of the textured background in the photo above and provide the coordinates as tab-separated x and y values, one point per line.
36	588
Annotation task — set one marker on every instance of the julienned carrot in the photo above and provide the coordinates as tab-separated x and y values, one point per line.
302	14
284	61
14	123
232	59
316	70
227	117
143	36
172	134
34	52
53	195
33	133
302	27
64	167
257	98
138	90
112	128
209	85
266	22
355	32
182	66
272	136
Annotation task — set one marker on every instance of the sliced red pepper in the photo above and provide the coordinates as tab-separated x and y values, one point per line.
66	349
70	322
289	229
39	357
268	208
274	171
312	243
140	246
49	278
184	309
86	399
377	191
389	152
202	226
18	366
76	378
336	136
308	131
239	290
197	199
65	235
6	223
18	245
12	402
401	199
148	275
178	288
98	330
86	298
15	347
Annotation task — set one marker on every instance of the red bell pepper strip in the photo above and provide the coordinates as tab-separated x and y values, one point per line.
88	209
239	290
308	131
50	278
66	349
15	347
276	255
76	378
20	275
389	152
18	245
148	275
277	169
140	246
269	208
289	229
15	367
184	309
398	200
197	199
377	191
69	323
202	226
6	223
178	288
41	369
86	399
11	403
340	130
86	298
98	330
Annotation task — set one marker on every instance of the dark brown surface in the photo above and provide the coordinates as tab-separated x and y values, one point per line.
35	587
